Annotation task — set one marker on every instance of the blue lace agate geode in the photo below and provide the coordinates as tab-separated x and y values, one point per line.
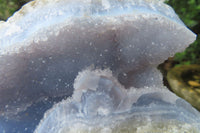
115	44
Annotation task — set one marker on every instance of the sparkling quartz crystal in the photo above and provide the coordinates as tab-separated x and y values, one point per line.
113	48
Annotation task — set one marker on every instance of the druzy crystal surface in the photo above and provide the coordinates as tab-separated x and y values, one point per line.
95	62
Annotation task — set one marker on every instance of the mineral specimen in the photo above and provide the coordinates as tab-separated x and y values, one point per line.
118	43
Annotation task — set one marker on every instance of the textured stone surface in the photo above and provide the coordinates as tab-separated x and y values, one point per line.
100	104
48	42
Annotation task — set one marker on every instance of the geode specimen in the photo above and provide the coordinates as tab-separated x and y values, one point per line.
115	44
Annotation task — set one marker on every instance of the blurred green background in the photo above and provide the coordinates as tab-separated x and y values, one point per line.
8	7
189	12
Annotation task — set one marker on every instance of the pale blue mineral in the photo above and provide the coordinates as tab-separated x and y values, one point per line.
100	104
111	48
